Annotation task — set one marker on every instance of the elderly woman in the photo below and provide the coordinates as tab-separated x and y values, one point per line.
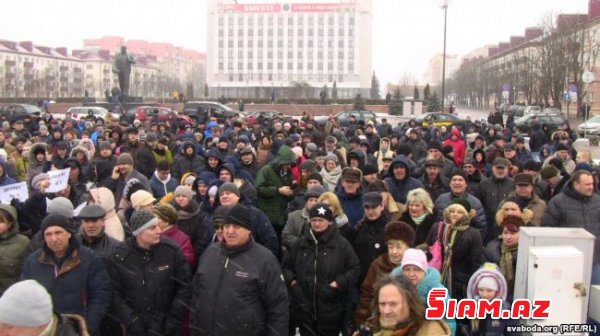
167	219
400	311
419	213
414	267
462	246
331	172
399	237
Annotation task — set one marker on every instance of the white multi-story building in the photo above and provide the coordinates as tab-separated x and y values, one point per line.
289	49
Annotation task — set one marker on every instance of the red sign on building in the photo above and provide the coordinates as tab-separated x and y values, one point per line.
323	7
251	8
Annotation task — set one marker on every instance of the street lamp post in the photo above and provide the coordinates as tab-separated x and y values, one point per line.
445	7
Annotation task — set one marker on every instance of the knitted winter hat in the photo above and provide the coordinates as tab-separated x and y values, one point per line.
314	191
231	187
55	220
60	206
414	257
37	179
125	159
488	282
548	172
239	215
141	198
141	220
460	173
183	191
26	304
321	210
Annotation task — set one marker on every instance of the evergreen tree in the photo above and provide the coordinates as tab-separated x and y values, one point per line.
433	105
397	93
205	89
375	87
359	103
416	93
426	93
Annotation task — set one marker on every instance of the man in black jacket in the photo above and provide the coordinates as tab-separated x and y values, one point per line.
92	231
150	279
238	288
321	270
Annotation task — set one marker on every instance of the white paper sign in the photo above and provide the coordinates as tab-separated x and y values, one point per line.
15	190
58	180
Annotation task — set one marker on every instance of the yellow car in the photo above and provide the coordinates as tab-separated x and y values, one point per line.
439	120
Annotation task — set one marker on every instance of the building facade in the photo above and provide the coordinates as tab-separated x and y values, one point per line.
29	70
433	76
288	49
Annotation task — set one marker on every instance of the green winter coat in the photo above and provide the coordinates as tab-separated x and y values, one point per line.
268	181
13	247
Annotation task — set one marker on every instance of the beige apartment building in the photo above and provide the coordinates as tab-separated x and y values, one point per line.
29	70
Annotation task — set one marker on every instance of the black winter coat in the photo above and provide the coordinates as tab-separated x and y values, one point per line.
192	224
491	192
152	285
421	230
467	257
104	245
239	292
315	262
369	242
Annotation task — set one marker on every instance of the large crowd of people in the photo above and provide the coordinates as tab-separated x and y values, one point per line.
274	227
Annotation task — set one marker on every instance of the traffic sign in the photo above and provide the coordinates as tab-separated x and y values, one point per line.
587	77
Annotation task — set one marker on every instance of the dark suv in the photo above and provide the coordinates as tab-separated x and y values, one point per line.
553	121
202	110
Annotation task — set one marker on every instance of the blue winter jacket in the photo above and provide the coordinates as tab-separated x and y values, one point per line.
399	189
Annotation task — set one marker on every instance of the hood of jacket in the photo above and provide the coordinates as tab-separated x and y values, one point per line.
81	149
432	279
230	168
104	198
14	229
399	160
456	132
187	144
31	155
284	156
185	176
103	169
487	270
357	154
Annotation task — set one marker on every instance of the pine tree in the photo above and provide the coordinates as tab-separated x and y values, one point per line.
205	89
433	105
359	103
416	93
375	87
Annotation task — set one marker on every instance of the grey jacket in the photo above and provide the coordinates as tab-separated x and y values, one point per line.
293	229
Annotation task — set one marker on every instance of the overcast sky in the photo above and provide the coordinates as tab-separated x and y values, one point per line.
406	33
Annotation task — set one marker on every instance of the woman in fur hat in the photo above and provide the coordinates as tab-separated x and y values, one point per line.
462	246
399	237
503	250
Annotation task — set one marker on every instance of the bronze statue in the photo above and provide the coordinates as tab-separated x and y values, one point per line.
122	67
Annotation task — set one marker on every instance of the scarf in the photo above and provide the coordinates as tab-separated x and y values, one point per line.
506	262
449	235
419	219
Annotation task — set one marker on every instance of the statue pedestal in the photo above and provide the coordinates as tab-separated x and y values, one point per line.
132	99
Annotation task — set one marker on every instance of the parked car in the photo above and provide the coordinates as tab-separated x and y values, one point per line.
15	112
552	120
592	126
83	111
268	115
532	109
551	110
343	118
158	113
202	110
439	119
